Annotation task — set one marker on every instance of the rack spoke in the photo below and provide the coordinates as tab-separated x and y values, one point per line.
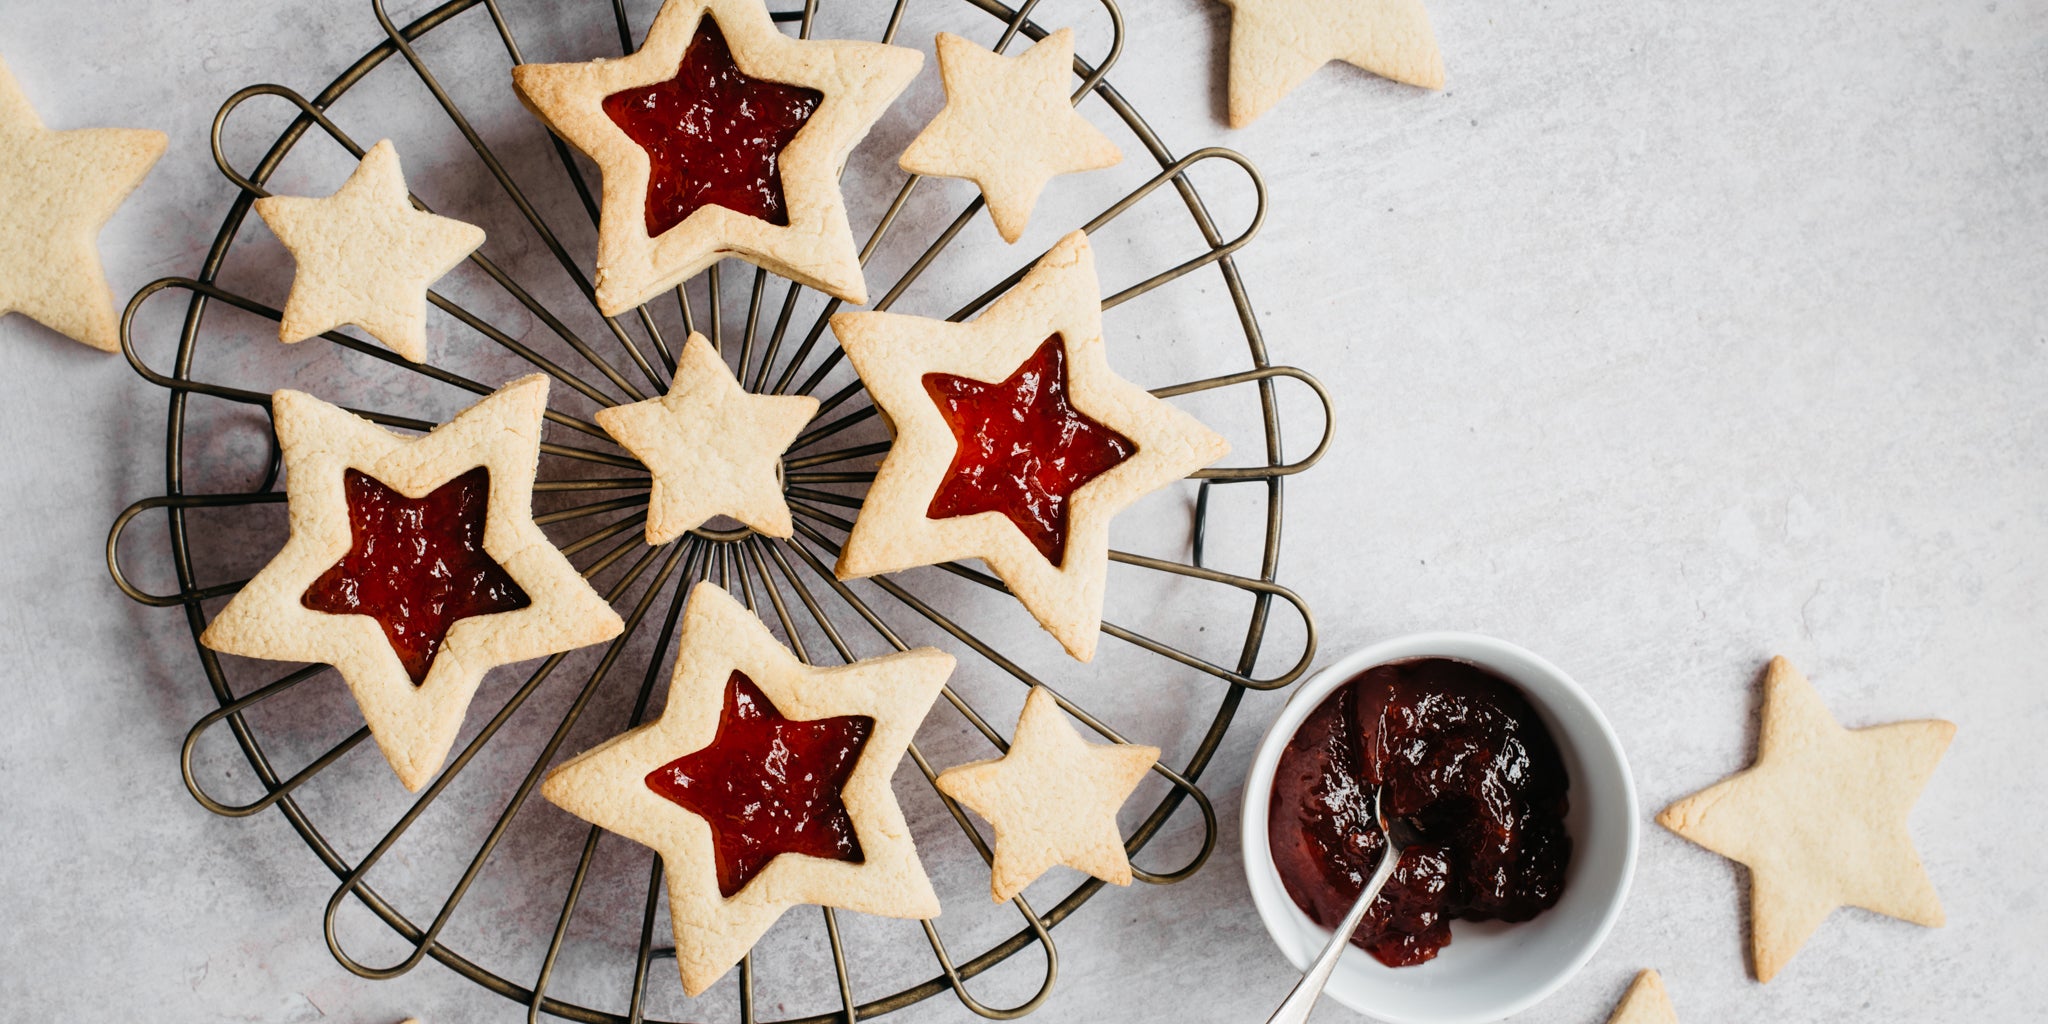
510	187
1260	588
693	550
315	114
519	797
374	351
839	455
1001	661
1015	21
594	508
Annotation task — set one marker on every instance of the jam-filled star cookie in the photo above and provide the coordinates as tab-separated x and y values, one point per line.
713	448
1276	44
1015	443
57	189
721	136
413	566
366	256
763	785
1008	126
1052	798
1819	818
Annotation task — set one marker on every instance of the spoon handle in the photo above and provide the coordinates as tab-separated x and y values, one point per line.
1294	1009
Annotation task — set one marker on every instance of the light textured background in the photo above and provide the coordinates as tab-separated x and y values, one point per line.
1671	336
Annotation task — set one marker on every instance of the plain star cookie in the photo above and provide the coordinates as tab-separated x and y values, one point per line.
713	448
1819	818
721	137
57	189
413	566
763	785
1276	44
1645	1002
1052	798
1015	443
1008	126
366	256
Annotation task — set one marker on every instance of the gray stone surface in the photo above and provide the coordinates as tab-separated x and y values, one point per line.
1670	337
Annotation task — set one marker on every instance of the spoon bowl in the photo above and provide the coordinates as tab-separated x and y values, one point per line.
1400	834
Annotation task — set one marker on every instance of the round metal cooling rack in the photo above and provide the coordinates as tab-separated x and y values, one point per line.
762	571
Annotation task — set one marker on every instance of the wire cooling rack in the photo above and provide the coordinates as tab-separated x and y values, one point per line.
789	581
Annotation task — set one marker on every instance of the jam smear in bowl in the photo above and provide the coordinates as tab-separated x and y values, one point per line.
1525	806
1464	757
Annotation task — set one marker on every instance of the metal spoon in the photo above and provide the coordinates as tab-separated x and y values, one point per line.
1400	836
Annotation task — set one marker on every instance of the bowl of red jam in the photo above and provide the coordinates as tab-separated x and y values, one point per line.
1518	789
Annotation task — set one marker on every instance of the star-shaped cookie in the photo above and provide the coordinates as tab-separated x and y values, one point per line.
388	525
1035	506
713	448
57	189
1645	1002
736	688
1819	818
778	127
1008	126
366	256
1052	799
1276	44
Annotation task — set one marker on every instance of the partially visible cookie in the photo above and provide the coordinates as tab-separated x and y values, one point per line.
1008	126
57	189
763	785
1276	44
413	566
721	136
1645	1002
1052	798
366	256
1819	818
1015	443
713	448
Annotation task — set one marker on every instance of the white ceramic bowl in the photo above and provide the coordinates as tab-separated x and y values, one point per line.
1490	970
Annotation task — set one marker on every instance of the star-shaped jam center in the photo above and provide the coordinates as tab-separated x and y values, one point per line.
1023	447
768	785
713	134
417	566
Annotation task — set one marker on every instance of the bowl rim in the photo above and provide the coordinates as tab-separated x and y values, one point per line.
1263	878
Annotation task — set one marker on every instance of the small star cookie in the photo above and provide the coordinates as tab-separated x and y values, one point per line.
1052	799
413	566
57	189
1276	44
366	256
713	448
1645	1002
763	785
1819	818
721	136
1008	126
1015	443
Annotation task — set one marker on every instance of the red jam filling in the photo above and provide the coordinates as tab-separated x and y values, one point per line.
714	136
1464	757
417	566
1023	448
768	785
